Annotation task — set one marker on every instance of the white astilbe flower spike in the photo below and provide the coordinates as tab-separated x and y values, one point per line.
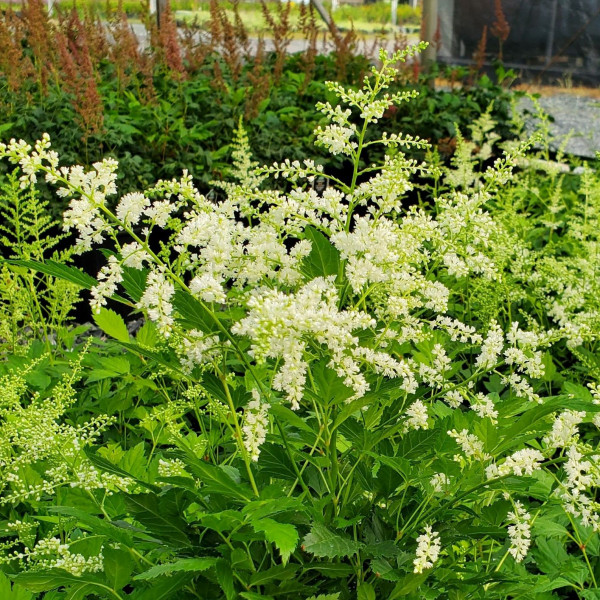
336	138
52	553
416	416
491	347
109	277
255	426
470	444
134	255
428	550
483	405
522	462
278	325
156	300
131	207
519	532
564	429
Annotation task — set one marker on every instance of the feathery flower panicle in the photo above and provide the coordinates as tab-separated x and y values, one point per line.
109	277
470	444
417	416
519	531
256	422
522	462
565	429
428	550
156	300
483	405
491	348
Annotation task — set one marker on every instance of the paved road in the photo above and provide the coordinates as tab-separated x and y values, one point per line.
295	45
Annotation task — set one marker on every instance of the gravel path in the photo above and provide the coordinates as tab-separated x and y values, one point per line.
576	117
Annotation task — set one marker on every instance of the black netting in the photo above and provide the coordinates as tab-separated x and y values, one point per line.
545	35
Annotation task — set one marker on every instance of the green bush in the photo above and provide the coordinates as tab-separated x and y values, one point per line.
176	104
332	396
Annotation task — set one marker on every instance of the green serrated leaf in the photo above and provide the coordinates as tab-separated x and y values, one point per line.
10	592
159	514
192	312
225	578
196	565
118	566
134	282
94	524
43	581
283	535
254	596
276	573
112	324
365	592
322	542
166	587
323	259
214	479
58	270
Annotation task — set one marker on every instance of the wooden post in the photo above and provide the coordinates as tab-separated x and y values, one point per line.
161	8
430	24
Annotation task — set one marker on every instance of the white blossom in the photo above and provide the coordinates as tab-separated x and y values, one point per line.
428	550
255	425
519	532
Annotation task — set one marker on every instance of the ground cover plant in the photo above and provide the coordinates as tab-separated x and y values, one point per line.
334	394
175	104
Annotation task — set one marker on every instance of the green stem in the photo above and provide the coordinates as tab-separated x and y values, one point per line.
238	433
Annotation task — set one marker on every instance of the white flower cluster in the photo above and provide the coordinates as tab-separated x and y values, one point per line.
491	348
255	426
172	467
417	416
280	326
470	444
522	462
439	482
434	374
429	547
52	553
583	475
519	531
156	300
564	429
483	405
198	349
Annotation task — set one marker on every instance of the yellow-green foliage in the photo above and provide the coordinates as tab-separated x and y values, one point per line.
32	305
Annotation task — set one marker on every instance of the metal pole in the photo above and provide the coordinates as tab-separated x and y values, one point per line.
430	23
394	12
550	41
321	10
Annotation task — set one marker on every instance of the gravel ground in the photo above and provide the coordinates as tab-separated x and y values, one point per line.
575	117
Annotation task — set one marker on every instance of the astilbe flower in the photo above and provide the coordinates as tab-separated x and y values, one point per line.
470	444
52	553
519	531
428	550
255	426
34	438
279	325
